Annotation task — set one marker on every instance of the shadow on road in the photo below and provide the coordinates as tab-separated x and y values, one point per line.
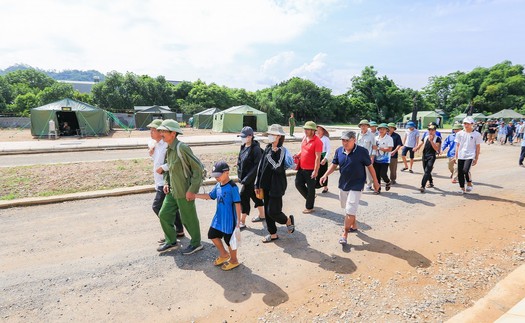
406	198
412	257
477	197
299	248
239	284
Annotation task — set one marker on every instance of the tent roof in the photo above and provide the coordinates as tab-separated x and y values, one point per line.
506	114
474	115
422	114
210	111
242	109
154	109
70	103
138	108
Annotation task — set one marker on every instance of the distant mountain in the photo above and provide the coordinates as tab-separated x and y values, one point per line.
65	75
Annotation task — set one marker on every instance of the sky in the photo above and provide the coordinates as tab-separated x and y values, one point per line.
255	44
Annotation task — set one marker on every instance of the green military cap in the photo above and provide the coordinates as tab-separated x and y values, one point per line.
170	125
155	123
310	125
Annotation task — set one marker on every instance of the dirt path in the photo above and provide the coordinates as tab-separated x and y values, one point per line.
419	257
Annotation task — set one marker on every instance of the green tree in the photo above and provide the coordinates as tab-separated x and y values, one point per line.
377	98
55	92
24	103
30	77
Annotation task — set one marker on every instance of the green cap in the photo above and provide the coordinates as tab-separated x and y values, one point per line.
393	125
170	125
373	124
457	126
310	125
364	121
155	124
383	125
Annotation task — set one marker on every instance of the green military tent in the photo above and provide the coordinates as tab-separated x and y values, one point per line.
425	117
235	118
204	119
82	118
144	115
507	114
477	116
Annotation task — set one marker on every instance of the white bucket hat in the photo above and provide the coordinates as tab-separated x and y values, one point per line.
276	129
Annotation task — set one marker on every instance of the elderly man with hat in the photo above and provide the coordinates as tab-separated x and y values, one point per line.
398	144
352	160
366	139
450	144
309	162
157	151
323	134
181	183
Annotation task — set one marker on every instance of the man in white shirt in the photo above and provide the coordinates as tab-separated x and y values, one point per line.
366	139
409	142
157	151
468	145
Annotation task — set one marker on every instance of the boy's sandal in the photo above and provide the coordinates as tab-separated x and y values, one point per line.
269	238
291	227
342	240
220	260
229	266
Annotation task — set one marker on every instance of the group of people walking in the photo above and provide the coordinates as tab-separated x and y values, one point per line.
365	159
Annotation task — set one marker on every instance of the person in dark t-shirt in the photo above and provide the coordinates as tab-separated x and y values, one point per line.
431	145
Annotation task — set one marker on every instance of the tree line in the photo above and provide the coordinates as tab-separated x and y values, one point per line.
369	95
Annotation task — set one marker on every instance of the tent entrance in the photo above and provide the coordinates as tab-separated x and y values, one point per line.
68	123
250	121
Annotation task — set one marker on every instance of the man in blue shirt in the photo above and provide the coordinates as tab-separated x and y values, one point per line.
352	161
451	145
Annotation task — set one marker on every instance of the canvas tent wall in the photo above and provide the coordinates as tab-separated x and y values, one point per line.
83	118
144	116
507	114
426	118
235	118
477	116
204	119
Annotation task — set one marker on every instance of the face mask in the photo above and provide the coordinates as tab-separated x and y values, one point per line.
271	139
243	141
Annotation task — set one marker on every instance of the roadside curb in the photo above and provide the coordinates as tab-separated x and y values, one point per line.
31	201
502	301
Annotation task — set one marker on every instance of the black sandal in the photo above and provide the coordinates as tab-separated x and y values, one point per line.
291	227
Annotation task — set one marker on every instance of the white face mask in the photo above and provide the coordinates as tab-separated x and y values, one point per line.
271	139
243	140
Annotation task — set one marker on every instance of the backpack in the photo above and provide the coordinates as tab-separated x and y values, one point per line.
186	168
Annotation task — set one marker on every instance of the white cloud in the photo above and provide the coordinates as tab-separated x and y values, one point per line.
316	65
376	31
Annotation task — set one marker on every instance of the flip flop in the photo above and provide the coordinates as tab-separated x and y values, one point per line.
229	266
269	238
219	260
308	211
352	230
342	240
291	227
257	219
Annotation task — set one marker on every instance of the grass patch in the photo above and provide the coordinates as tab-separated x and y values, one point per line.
8	197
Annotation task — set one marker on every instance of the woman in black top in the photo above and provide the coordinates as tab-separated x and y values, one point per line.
247	162
271	183
432	145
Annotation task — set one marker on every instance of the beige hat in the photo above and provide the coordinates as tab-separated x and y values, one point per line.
276	129
324	129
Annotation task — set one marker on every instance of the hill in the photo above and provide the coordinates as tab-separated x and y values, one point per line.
65	75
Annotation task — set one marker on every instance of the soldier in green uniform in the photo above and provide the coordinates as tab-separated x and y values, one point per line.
291	123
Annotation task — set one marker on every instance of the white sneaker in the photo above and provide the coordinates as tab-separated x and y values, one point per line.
469	188
369	188
461	192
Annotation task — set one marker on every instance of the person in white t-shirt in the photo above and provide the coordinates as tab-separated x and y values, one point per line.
468	143
157	150
384	145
